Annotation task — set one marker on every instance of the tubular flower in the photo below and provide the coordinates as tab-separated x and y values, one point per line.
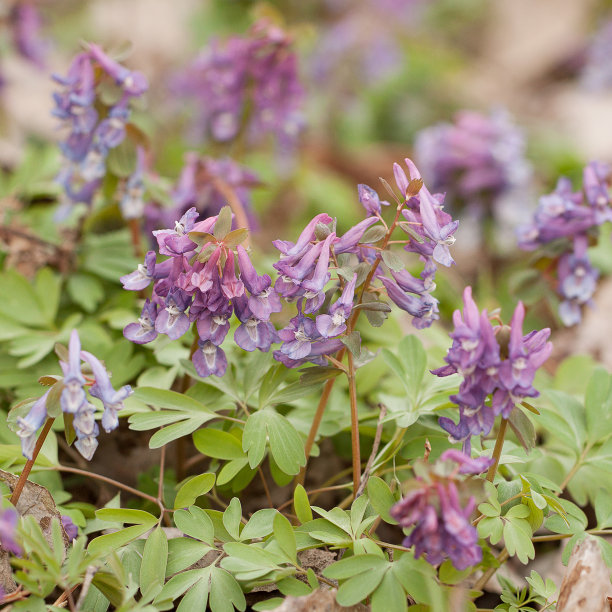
441	527
502	373
571	219
74	400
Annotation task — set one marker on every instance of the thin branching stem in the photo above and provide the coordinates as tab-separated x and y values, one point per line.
27	468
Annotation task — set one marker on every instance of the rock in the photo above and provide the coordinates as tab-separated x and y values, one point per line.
322	600
586	583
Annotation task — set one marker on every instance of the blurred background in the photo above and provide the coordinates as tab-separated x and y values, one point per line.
493	101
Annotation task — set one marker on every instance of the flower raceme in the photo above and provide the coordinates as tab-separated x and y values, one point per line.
570	218
209	276
93	127
73	400
497	364
441	527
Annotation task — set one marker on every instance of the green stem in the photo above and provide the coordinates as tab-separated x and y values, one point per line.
355	450
499	443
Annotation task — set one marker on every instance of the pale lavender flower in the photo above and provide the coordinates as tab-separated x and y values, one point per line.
209	359
8	525
73	395
72	531
144	330
28	426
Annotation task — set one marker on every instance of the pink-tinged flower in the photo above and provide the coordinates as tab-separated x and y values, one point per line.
291	250
467	464
369	199
230	285
214	326
175	241
209	359
8	525
441	528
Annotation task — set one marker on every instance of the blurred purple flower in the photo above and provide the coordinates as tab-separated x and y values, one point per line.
8	525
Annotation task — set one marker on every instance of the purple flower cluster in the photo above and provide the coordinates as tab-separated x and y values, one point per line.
204	183
479	161
596	74
441	526
497	365
202	286
94	128
572	216
74	401
198	284
8	524
25	26
305	268
246	85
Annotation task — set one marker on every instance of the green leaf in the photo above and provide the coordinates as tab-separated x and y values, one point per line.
301	505
566	421
122	159
153	566
53	406
110	542
491	527
381	498
193	488
254	438
351	566
392	260
236	237
293	586
517	538
218	444
414	361
225	592
352	342
450	575
232	517
318	375
283	532
48	287
178	584
260	525
195	523
223	224
163	398
373	234
358	587
86	291
184	552
126	515
230	470
389	596
603	508
523	428
598	406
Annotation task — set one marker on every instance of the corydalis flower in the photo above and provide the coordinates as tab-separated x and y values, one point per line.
504	373
571	219
94	128
8	524
258	72
74	401
441	527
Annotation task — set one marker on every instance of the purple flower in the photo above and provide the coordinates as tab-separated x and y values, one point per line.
25	25
28	426
8	525
334	323
144	331
369	199
172	320
298	337
475	354
441	527
73	394
252	333
263	300
230	285
72	531
258	72
209	359
175	241
144	274
467	465
133	83
104	391
214	326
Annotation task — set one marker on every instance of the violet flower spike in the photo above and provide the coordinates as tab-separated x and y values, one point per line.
104	391
334	323
73	394
231	286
